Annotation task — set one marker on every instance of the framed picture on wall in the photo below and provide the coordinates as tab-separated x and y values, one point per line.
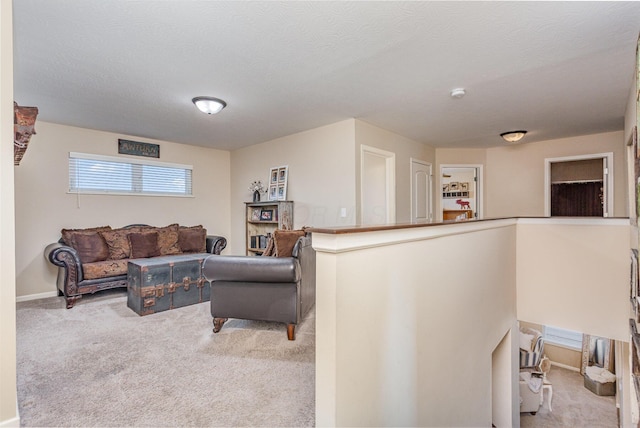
464	187
454	186
282	192
273	192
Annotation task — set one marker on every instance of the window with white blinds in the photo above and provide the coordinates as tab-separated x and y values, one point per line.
560	336
98	174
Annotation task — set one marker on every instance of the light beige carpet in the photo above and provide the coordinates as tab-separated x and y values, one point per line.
100	364
573	405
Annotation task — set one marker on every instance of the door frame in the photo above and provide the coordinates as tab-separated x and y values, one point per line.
607	176
429	186
479	186
390	181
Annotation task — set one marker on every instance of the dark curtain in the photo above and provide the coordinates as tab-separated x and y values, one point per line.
577	199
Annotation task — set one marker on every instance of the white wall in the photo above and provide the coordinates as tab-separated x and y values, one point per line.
400	341
8	397
321	177
514	175
43	206
386	299
404	149
574	274
513	179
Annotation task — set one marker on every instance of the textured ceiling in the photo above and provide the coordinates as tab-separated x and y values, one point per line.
557	69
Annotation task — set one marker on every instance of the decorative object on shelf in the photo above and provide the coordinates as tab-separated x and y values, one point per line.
463	204
278	183
24	120
256	187
266	215
135	148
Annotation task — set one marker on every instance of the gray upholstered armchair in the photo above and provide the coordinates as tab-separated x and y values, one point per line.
279	289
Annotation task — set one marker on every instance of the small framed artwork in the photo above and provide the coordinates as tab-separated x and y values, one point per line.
282	192
266	215
282	174
273	192
278	179
255	214
445	187
464	187
454	186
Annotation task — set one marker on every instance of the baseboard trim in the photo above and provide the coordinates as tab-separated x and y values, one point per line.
564	366
35	297
13	422
10	423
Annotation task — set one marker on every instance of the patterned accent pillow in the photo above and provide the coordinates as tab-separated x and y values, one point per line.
168	239
284	241
91	247
143	244
192	239
117	243
67	234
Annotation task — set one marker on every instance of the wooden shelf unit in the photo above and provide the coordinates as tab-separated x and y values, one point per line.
281	218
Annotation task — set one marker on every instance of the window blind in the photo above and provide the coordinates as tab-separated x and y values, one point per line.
561	336
98	174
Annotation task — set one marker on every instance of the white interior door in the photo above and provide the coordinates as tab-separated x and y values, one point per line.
377	186
421	206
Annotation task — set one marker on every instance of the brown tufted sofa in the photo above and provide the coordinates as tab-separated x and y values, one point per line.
95	259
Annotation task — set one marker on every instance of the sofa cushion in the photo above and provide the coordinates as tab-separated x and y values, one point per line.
67	234
192	239
168	239
143	244
91	247
284	240
105	269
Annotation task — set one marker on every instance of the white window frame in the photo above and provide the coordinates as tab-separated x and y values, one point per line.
136	176
562	337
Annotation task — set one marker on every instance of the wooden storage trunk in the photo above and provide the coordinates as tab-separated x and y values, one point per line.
167	282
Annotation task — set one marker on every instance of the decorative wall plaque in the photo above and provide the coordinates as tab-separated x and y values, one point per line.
136	148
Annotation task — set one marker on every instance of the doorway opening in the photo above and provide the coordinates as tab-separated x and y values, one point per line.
461	192
377	186
579	186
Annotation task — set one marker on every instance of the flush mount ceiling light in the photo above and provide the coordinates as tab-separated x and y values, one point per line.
458	93
209	105
513	136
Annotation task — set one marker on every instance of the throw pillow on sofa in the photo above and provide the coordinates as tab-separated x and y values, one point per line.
192	239
168	239
68	234
118	242
143	244
91	247
285	240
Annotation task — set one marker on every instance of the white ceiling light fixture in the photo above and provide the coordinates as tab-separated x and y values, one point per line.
513	136
458	93
209	105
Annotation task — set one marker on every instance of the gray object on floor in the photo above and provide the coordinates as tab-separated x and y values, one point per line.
599	388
